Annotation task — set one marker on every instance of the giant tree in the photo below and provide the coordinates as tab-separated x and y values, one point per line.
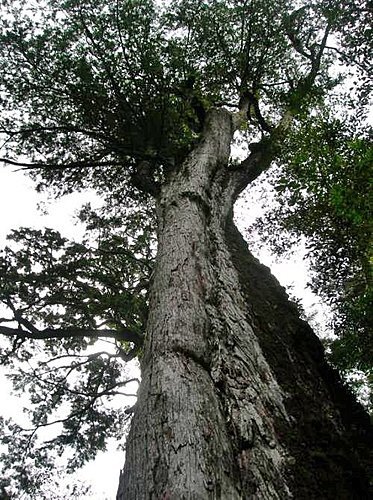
143	101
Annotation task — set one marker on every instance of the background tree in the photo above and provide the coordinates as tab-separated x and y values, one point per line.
141	102
326	198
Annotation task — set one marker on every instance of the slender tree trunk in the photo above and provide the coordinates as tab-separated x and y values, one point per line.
236	400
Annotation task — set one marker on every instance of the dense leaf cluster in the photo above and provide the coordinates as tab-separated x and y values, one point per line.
323	193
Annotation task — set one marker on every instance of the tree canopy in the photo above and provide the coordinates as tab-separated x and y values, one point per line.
113	96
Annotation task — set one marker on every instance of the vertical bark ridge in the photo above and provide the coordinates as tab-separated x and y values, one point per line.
179	418
250	394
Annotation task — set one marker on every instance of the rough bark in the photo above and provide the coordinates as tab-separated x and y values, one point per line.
236	400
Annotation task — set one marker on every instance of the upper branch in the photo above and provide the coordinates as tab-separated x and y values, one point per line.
264	152
314	55
60	166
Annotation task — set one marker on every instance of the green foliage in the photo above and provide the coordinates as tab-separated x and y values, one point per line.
323	193
92	84
39	478
57	283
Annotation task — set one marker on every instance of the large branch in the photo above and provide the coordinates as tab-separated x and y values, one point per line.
258	115
64	333
259	160
111	145
53	128
95	163
60	166
249	104
261	156
264	152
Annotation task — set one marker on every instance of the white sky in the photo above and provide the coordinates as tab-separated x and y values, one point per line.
18	206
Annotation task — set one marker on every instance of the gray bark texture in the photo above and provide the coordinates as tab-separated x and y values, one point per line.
236	399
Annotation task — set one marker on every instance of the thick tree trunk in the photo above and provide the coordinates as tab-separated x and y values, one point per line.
236	401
